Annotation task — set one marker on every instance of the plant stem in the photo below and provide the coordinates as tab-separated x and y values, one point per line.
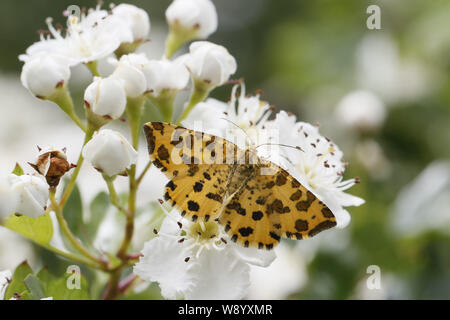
126	283
135	108
73	178
63	99
113	194
93	67
198	95
129	226
164	103
134	112
73	257
142	175
69	235
112	288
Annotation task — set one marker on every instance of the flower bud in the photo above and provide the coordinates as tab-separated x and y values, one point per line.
130	71
7	199
106	97
197	19
361	110
165	75
52	164
30	194
136	18
44	73
109	152
210	64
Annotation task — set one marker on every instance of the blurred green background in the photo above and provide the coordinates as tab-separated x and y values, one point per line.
307	56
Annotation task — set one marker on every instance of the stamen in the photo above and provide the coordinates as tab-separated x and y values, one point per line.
202	225
161	202
197	255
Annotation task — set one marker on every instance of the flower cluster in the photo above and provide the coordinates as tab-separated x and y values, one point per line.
188	259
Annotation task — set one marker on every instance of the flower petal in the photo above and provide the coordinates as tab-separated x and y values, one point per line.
261	258
219	275
163	262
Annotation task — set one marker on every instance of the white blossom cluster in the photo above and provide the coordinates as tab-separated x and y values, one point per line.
189	260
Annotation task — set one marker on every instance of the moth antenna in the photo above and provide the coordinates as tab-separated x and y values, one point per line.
281	145
237	127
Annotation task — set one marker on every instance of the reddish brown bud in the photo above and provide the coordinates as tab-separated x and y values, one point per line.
52	165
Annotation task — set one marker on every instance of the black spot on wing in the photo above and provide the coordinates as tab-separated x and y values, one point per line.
245	232
193	206
257	215
198	187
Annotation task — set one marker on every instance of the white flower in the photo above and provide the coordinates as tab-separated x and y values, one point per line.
318	165
136	18
198	17
198	261
361	110
109	152
210	64
247	116
130	71
91	38
165	75
381	69
106	97
5	278
424	204
44	73
30	194
240	121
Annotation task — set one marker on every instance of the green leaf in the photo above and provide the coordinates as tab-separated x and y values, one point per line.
17	284
46	278
59	289
35	287
73	211
18	171
98	209
39	229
